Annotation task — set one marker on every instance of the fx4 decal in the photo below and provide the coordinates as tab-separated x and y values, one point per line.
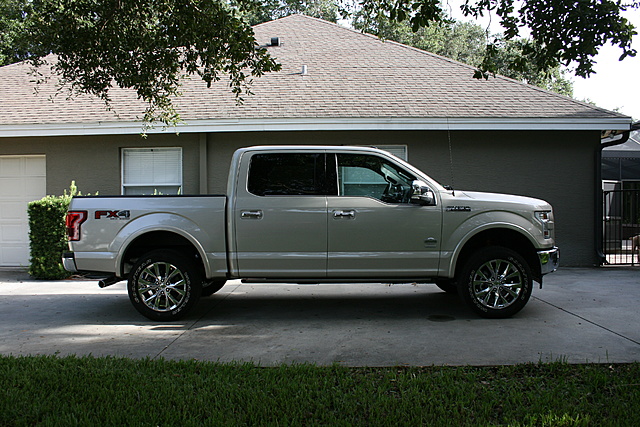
113	214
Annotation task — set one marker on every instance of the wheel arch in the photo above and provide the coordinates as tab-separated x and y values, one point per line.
510	238
150	240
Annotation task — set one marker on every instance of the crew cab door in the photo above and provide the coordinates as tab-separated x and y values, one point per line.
280	216
374	229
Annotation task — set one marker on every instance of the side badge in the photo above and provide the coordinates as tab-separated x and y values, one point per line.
458	208
113	214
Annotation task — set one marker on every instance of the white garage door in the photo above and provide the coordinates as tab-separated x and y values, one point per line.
22	180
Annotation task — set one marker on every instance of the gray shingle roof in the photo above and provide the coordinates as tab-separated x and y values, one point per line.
350	75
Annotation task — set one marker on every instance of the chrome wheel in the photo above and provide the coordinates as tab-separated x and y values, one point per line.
162	286
497	284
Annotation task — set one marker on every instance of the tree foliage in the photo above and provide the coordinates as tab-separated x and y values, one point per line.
145	45
267	10
561	32
12	22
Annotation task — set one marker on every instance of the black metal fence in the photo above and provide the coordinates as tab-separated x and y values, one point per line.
621	225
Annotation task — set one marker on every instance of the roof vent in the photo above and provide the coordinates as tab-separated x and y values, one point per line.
275	41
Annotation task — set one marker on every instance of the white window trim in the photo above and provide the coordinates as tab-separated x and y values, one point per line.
156	185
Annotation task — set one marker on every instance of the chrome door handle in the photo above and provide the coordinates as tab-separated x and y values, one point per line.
251	214
344	214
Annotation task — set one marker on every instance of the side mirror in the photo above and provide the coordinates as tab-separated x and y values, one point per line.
422	195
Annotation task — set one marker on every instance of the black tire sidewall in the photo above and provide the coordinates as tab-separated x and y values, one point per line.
191	275
480	258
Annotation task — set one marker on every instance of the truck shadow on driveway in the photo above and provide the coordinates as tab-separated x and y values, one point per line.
289	305
278	303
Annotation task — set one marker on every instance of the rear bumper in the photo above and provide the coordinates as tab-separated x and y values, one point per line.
549	260
69	262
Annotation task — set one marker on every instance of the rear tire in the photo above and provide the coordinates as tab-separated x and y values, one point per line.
496	282
164	285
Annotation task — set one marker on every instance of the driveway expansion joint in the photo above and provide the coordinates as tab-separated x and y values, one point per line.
588	321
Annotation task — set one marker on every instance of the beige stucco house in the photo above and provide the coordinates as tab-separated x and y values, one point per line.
336	86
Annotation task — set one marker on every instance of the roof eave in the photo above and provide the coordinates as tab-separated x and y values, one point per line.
319	124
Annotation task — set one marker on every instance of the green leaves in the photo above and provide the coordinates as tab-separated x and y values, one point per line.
567	32
572	31
48	234
145	45
47	237
12	21
258	11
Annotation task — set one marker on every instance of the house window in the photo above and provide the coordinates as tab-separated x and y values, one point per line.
148	171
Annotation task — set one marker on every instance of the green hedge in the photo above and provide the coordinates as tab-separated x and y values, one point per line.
48	236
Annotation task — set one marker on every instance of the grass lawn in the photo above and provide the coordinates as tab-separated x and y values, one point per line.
87	391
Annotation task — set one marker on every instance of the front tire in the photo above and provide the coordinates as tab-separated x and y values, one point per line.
164	285
496	282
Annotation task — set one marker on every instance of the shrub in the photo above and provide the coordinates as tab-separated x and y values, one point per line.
47	235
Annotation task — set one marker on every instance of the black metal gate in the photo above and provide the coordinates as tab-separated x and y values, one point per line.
621	225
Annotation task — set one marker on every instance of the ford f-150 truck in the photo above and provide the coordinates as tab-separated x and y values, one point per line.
301	214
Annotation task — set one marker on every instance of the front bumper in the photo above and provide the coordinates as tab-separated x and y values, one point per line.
549	260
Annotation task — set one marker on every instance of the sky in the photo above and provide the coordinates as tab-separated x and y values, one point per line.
615	85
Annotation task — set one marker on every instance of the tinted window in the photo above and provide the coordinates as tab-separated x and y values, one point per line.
287	174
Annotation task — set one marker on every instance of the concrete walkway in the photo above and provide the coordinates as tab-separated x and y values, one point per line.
581	315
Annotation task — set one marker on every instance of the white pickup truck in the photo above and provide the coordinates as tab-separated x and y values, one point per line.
300	214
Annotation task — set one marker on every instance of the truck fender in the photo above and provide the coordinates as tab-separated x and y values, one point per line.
165	222
480	223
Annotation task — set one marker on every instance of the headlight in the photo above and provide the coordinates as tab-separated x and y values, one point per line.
546	219
543	216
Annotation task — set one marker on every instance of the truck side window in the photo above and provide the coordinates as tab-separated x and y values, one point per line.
287	174
372	176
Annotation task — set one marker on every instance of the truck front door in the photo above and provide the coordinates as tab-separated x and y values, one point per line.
281	216
374	229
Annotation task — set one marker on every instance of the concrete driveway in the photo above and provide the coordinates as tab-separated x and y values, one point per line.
581	315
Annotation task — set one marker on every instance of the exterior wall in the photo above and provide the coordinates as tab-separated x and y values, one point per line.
94	161
554	166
